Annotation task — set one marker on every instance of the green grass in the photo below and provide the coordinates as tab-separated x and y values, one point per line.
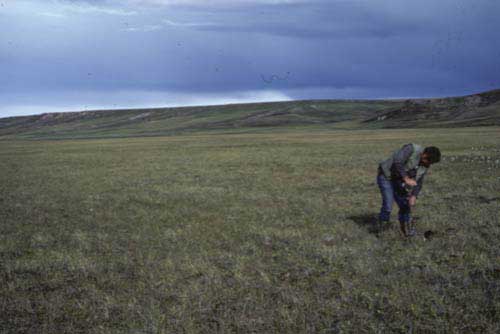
246	232
172	121
476	110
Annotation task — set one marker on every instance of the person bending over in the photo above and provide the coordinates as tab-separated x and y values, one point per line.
400	179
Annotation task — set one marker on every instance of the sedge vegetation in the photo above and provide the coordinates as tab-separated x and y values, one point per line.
246	233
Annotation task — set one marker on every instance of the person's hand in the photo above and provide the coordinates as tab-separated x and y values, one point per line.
410	182
412	200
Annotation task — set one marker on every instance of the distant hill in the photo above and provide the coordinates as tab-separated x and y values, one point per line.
472	110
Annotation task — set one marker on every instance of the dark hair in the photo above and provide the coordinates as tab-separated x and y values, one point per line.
433	153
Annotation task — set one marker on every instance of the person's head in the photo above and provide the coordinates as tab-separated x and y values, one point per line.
431	155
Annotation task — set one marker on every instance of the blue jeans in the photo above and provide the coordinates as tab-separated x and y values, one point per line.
389	196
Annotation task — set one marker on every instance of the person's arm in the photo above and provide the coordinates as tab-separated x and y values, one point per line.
418	187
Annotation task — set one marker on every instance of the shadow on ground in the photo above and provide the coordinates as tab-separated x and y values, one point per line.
367	221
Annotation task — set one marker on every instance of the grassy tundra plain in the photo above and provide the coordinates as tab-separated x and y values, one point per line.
238	233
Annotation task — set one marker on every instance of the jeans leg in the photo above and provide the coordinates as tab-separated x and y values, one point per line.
404	208
387	192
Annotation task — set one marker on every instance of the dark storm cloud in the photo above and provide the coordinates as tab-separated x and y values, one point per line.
325	20
273	49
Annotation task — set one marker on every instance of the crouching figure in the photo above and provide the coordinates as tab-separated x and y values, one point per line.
400	179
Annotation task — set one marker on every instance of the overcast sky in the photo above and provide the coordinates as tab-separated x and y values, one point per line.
68	55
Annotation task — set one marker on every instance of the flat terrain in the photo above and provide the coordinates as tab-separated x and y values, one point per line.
254	232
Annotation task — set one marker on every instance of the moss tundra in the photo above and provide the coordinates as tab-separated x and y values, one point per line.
246	233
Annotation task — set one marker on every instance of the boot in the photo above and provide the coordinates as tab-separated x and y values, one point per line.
411	232
408	229
411	228
402	226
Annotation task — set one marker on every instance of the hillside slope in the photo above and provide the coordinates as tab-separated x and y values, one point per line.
477	109
472	110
